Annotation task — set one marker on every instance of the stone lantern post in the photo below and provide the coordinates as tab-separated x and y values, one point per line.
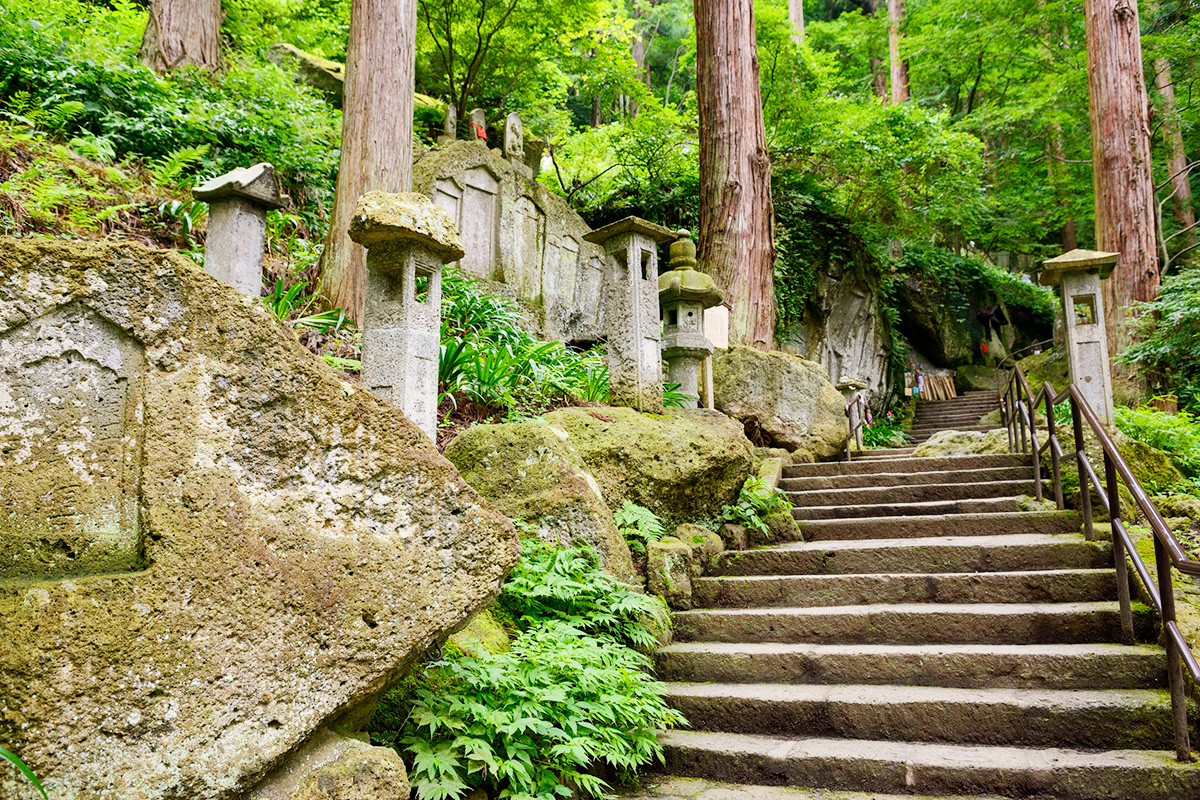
631	310
683	295
238	203
408	238
1078	275
850	386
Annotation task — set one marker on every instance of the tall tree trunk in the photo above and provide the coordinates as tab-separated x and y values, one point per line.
796	16
1119	112
1177	161
377	134
879	73
1057	170
737	215
899	70
182	33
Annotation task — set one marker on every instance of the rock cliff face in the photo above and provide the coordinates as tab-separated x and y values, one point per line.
212	545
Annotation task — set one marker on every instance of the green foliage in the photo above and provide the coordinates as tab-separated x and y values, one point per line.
882	435
638	525
1168	338
567	585
1177	435
15	760
756	501
531	722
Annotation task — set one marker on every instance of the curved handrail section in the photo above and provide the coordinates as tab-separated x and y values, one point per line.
1013	355
1019	413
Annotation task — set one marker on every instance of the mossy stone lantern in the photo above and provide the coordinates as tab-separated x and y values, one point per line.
683	294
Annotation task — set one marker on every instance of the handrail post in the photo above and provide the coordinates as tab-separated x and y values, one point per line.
1118	547
1006	414
1166	593
1085	481
1055	467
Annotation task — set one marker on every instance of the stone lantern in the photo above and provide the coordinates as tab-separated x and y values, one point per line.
1078	274
683	295
238	202
408	238
631	310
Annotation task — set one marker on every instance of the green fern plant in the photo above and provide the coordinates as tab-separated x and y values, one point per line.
756	501
169	169
23	768
638	525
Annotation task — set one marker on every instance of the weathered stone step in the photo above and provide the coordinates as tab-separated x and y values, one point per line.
905	465
974	412
1034	586
921	493
996	553
929	430
908	767
920	526
881	479
1111	718
1044	666
990	505
908	623
884	451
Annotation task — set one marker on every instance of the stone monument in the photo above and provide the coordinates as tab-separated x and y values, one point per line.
631	316
238	203
514	145
408	238
850	386
450	129
478	124
683	295
1078	275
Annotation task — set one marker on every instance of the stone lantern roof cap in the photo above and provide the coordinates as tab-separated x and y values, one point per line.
259	184
386	218
656	232
851	382
1077	260
683	282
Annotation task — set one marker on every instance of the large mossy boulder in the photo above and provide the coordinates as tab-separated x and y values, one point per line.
783	400
214	545
683	465
963	443
530	471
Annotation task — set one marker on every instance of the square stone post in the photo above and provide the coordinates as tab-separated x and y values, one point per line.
683	294
238	203
1078	275
631	310
408	238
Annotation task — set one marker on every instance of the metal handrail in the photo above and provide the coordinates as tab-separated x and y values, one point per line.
856	421
1013	355
1018	408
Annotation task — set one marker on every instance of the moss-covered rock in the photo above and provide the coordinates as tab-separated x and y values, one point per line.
683	465
704	544
963	443
1049	366
783	400
336	767
783	527
483	634
530	471
669	572
299	541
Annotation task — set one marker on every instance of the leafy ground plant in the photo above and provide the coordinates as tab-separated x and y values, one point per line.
1177	435
756	501
638	525
883	435
23	768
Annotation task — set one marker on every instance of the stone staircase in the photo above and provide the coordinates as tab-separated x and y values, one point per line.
926	636
961	413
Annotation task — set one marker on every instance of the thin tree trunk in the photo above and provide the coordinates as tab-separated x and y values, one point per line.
182	33
899	69
1121	178
1177	161
796	16
674	71
879	77
1057	169
737	215
377	115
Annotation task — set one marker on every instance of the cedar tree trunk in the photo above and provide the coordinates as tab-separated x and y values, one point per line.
899	66
1058	179
796	16
737	215
377	135
182	33
1119	112
1177	162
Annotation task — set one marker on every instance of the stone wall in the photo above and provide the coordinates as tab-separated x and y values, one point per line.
521	238
213	545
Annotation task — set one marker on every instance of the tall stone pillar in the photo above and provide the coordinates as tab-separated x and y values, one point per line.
238	203
683	295
1079	274
631	310
408	238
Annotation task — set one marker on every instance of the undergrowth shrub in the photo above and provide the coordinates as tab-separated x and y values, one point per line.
756	501
882	434
638	525
1177	435
1168	333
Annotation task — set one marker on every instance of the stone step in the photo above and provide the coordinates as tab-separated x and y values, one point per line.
990	505
911	767
1106	718
920	526
958	414
1036	666
989	553
909	623
905	465
1033	586
881	479
929	430
920	493
884	451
